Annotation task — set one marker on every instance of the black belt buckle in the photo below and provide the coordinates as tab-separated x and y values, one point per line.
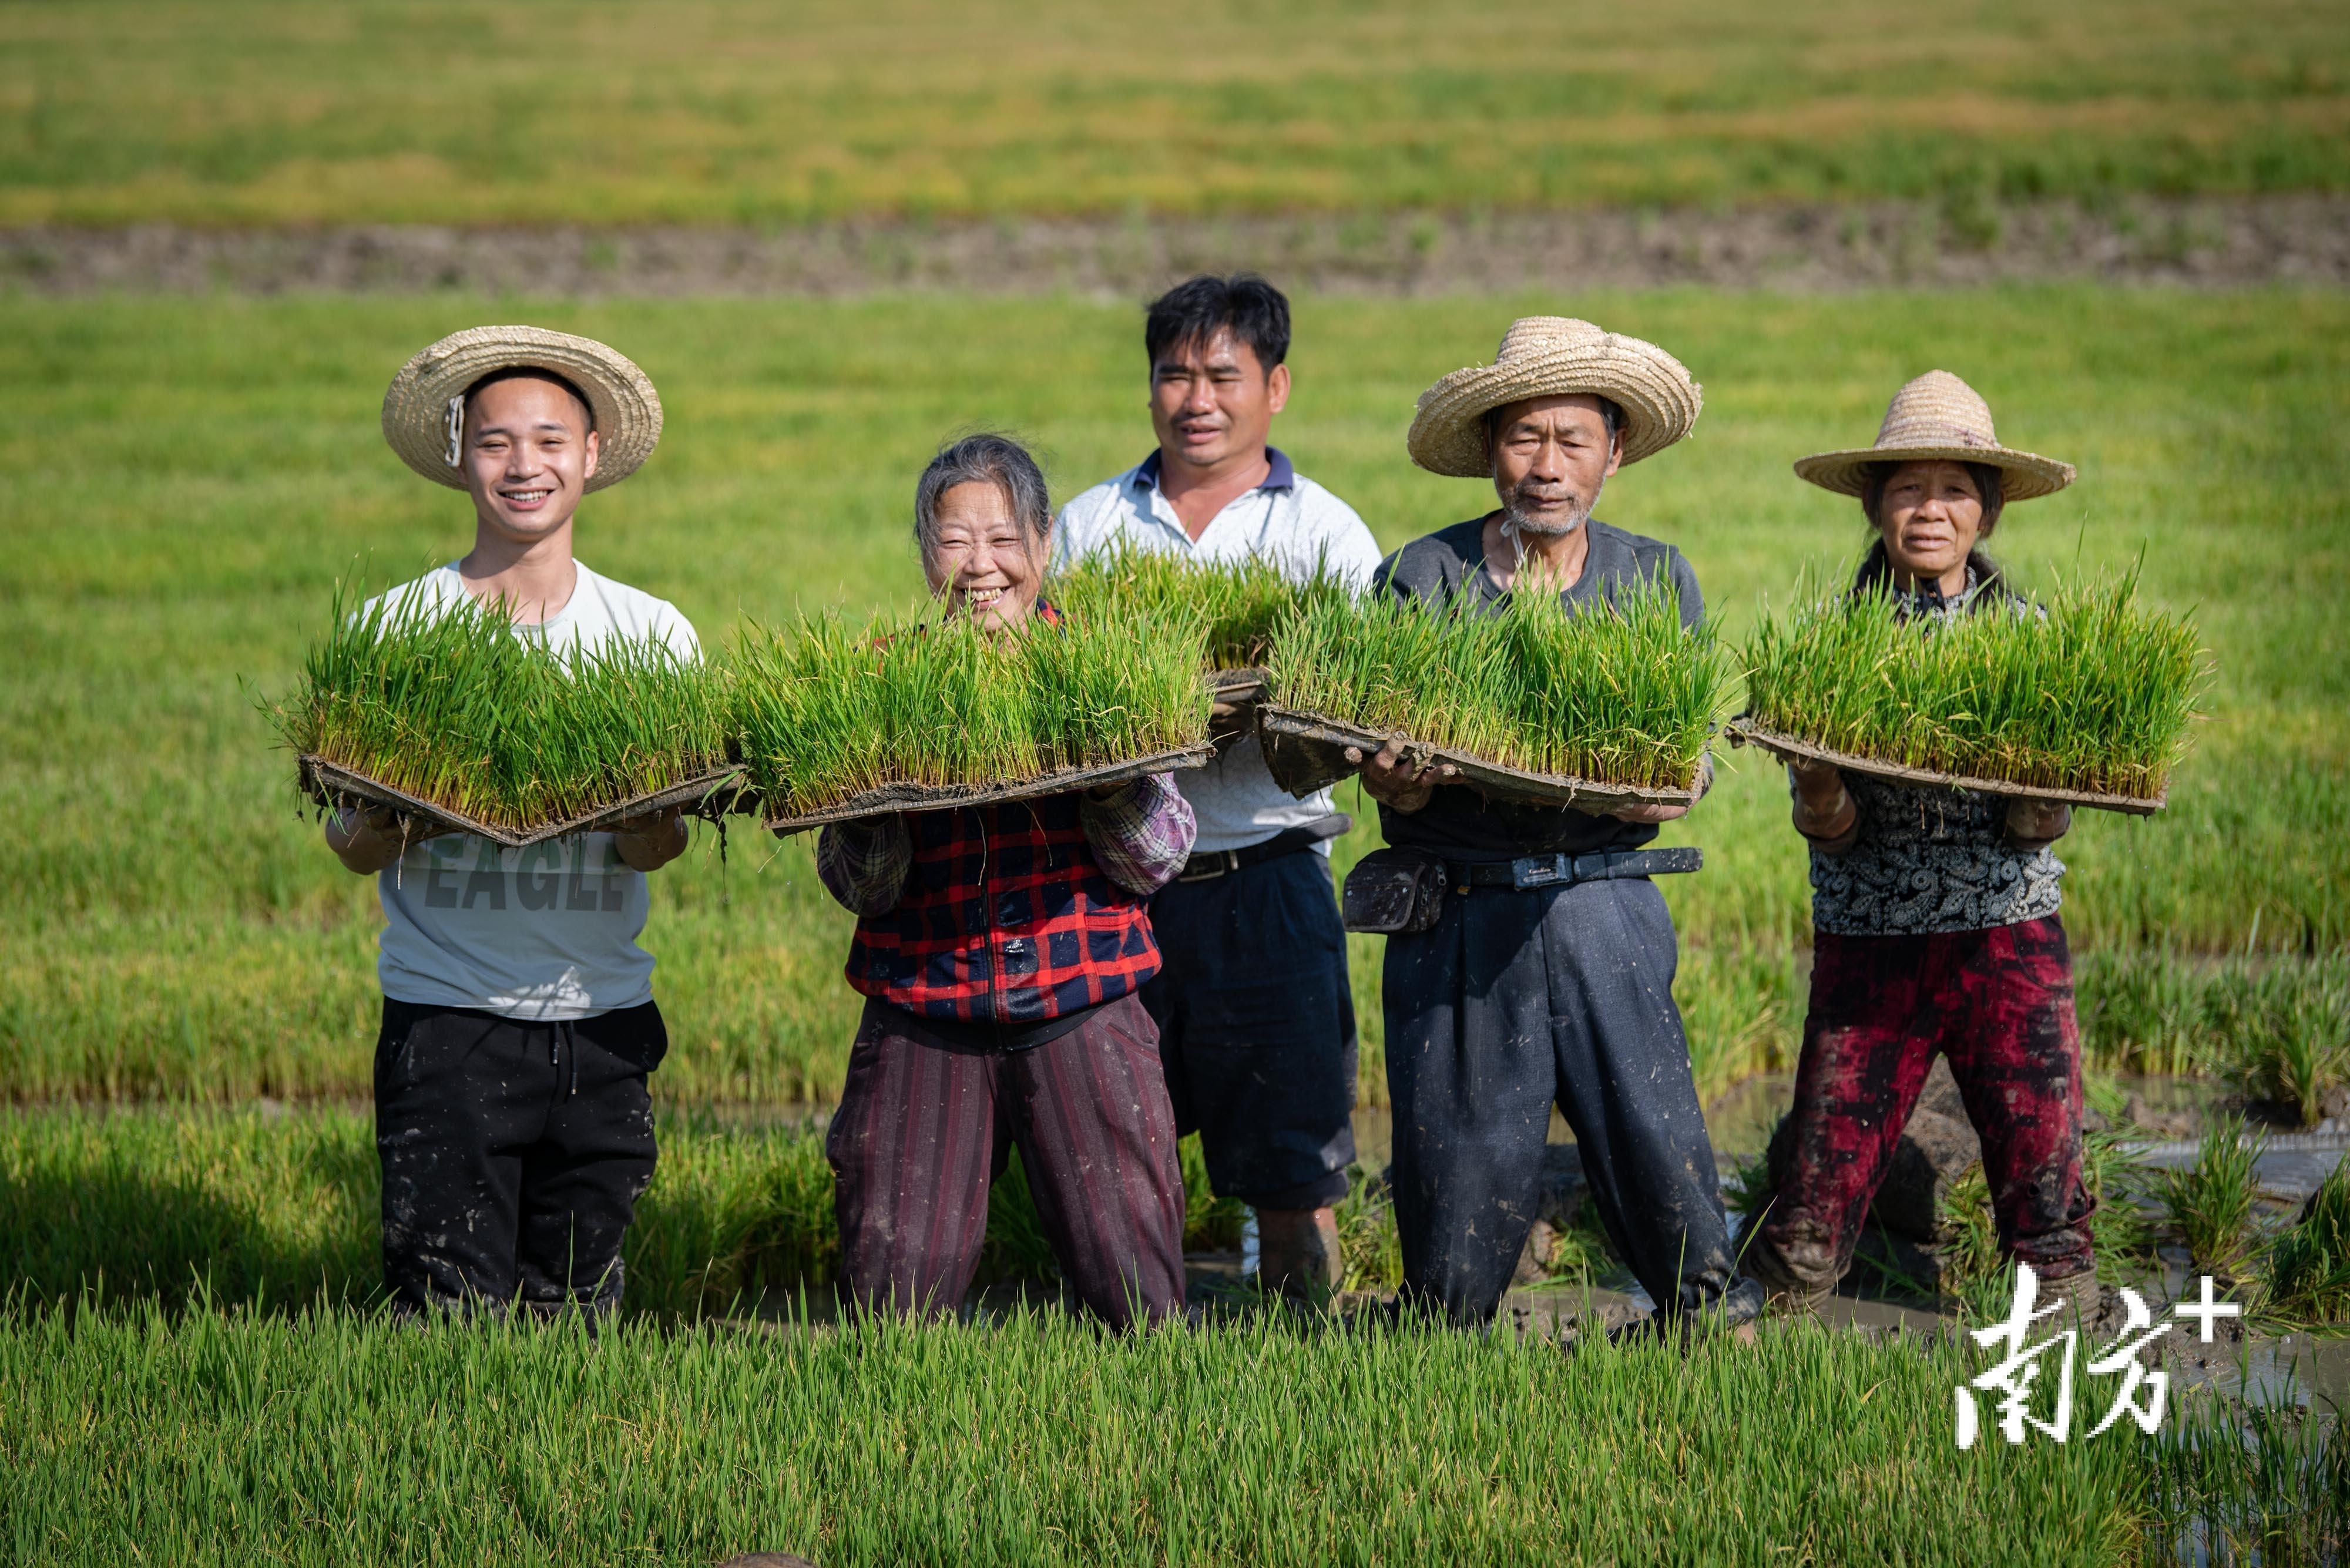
1219	863
1541	871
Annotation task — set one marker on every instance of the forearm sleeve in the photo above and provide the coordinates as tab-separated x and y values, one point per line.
863	863
1142	835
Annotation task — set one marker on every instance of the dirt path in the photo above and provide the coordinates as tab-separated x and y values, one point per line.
2203	241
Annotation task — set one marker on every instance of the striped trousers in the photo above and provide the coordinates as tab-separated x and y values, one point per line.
925	1126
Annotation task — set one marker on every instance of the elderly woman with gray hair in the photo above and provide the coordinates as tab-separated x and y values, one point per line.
1000	949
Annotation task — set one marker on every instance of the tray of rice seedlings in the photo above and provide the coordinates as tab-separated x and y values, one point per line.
2086	697
455	720
836	722
1599	708
1239	605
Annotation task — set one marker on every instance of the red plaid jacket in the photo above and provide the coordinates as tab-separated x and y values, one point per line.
1007	917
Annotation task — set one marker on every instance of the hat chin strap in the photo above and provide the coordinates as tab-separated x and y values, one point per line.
455	453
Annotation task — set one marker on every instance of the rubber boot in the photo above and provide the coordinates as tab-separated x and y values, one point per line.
1298	1253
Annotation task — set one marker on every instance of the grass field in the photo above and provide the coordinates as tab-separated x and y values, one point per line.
590	111
233	1438
182	482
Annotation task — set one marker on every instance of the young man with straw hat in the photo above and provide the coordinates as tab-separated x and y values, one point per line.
1934	910
1256	1011
1546	977
512	1117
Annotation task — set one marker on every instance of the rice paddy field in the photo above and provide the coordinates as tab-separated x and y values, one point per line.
186	1364
731	112
184	483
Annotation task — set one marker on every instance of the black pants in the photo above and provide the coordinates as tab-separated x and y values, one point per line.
514	1154
1516	1000
1256	1028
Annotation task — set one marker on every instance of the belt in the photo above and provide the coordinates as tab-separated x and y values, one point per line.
1531	871
1288	841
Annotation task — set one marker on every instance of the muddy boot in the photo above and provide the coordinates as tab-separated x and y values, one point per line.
2083	1302
1787	1292
1297	1256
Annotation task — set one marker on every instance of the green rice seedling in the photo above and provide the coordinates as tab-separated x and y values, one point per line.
1239	605
2088	691
1370	1250
1617	693
328	1436
2210	1204
2280	1033
824	711
2117	1179
459	707
2306	1279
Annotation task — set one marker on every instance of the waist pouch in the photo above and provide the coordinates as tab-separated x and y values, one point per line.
1394	892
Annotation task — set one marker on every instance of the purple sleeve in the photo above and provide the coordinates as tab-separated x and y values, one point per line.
1141	834
863	863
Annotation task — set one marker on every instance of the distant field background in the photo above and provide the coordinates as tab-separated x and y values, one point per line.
182	481
581	111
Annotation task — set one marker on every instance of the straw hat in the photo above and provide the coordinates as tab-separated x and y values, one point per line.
1939	417
1552	356
424	407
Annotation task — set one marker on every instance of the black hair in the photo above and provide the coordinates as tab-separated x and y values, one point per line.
985	457
533	373
1876	567
1611	414
1194	312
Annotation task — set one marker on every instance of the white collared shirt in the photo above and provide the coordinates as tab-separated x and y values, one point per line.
1289	521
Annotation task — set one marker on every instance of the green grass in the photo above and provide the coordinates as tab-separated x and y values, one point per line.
183	483
328	1439
1242	605
827	710
181	1206
2211	1205
726	112
454	707
1616	693
2092	693
2307	1276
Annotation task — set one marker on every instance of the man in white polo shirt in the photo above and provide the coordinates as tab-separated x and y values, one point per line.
513	1120
1256	1019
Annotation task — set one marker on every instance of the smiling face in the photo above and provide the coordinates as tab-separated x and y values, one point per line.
981	559
1211	401
528	455
1929	517
1550	456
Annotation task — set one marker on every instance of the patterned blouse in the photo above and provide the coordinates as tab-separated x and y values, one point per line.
1929	859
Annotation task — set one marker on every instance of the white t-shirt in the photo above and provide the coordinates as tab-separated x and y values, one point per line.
543	933
1289	521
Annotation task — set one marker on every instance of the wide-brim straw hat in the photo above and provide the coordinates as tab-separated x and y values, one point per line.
1555	356
1939	417
422	410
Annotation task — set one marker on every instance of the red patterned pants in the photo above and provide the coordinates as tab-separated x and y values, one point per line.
1999	1003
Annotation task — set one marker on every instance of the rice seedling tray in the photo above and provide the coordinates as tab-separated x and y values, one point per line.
711	795
1307	752
897	797
1745	733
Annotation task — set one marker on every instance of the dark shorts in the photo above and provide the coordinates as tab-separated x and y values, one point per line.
1256	1027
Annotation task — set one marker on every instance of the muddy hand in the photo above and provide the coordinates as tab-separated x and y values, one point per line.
651	841
1393	779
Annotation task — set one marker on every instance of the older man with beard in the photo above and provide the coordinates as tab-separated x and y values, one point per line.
1547	974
